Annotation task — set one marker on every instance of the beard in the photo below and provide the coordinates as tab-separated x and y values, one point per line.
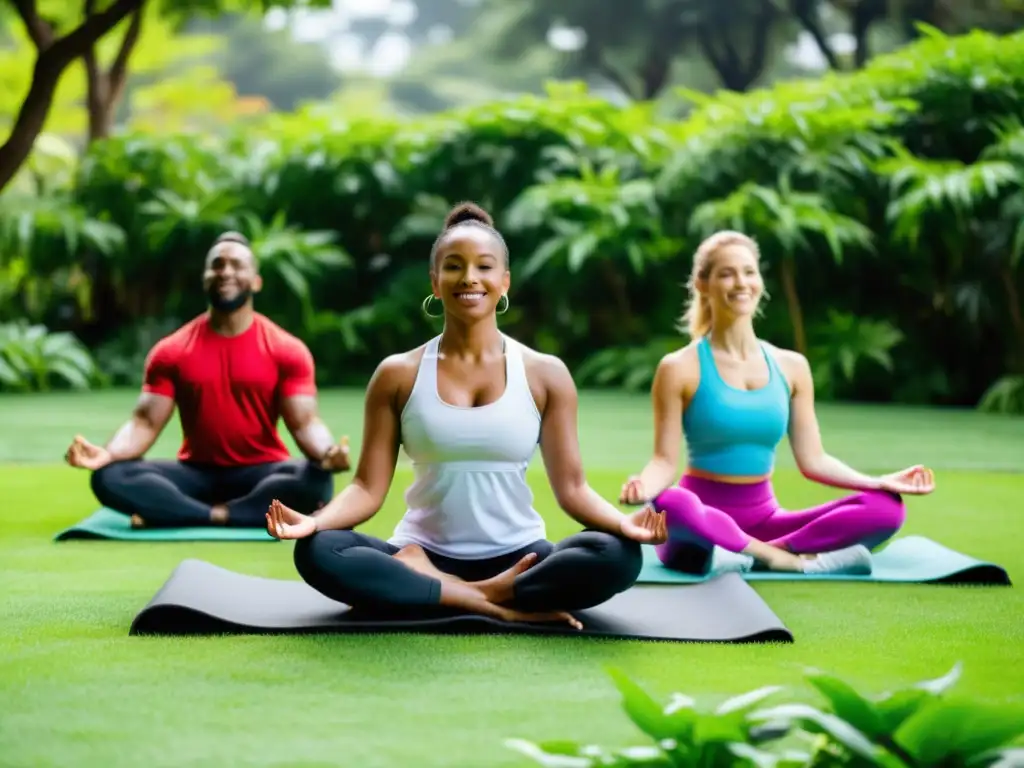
222	304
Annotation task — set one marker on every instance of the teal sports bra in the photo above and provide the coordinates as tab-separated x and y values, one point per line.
732	431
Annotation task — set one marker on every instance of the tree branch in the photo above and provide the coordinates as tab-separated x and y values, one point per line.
51	61
863	16
763	24
40	31
74	44
806	12
594	57
119	69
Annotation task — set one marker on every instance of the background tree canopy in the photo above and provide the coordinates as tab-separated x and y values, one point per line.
887	195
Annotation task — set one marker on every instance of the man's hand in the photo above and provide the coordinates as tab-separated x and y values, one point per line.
336	458
85	455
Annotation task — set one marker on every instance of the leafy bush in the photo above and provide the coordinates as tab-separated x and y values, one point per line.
33	359
910	727
888	204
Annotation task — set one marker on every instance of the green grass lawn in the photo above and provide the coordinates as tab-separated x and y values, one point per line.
76	690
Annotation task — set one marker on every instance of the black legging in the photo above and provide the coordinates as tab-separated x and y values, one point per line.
579	572
175	493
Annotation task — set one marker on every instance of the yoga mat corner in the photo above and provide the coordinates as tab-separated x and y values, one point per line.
107	524
907	560
200	598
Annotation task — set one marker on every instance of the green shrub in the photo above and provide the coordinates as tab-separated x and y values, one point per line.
32	359
888	204
917	726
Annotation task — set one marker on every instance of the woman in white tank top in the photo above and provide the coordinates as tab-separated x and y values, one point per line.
470	408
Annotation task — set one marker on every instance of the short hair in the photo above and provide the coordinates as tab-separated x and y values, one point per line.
234	237
468	214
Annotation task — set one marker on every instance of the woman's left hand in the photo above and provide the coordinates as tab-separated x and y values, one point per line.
645	526
916	480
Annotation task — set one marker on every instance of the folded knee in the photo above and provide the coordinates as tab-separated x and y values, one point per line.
312	553
621	558
678	505
107	477
888	509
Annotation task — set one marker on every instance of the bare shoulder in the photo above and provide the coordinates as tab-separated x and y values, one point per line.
548	376
682	361
678	370
399	369
545	367
794	365
395	377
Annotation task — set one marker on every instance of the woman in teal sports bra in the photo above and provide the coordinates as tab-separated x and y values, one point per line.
734	397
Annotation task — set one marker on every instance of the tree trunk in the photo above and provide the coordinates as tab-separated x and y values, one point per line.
735	73
796	314
32	115
105	88
806	12
1016	316
52	59
865	15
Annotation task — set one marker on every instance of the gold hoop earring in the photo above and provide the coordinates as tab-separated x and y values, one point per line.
426	305
502	311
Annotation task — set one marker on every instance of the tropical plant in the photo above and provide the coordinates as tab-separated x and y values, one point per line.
34	360
910	727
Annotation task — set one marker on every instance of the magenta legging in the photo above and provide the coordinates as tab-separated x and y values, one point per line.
705	512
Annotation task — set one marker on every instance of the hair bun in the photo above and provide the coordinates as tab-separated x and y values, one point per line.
467	212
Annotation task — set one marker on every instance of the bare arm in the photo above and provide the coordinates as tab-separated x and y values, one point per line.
667	402
805	437
365	495
301	416
560	448
137	435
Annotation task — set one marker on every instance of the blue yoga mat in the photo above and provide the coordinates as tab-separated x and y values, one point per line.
107	524
908	560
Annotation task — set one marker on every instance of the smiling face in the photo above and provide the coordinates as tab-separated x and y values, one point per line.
734	285
230	277
470	273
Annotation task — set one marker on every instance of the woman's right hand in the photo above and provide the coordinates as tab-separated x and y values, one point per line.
286	523
633	492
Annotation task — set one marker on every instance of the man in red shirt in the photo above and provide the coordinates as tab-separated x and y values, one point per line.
232	373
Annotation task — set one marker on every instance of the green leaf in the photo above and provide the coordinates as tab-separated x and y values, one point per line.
816	721
581	248
722	729
943	730
744	702
548	250
547	759
846	702
942	684
644	711
895	708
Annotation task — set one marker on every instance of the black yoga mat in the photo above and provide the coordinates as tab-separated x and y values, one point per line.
201	598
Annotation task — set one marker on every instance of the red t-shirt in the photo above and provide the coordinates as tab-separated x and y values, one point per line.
229	389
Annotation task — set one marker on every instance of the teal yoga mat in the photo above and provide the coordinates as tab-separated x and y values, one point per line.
908	560
107	524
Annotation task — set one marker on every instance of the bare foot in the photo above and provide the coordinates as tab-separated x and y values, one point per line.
416	558
219	514
501	588
138	522
510	614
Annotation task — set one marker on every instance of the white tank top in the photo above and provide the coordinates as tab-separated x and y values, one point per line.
470	499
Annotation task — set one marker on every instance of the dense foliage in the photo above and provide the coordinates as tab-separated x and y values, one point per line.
888	204
922	725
